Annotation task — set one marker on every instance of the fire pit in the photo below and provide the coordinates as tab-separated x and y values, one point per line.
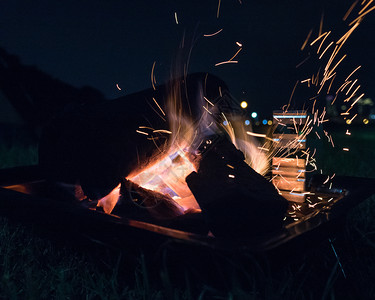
119	170
28	197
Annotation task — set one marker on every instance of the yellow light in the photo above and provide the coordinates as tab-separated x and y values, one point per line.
243	104
269	122
348	121
365	121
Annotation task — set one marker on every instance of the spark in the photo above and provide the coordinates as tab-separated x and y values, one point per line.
333	145
332	57
162	131
146	127
207	110
307	39
239	50
226	62
230	166
321	43
321	23
345	149
349	109
361	16
118	87
365	7
318	38
354	82
306	80
330	186
343	86
264	149
351	120
208	101
238	44
321	55
213	34
326	180
256	134
231	176
142	132
349	11
318	135
329	200
152	75
344	38
302	62
218	9
157	104
157	112
175	17
352	73
359	98
348	132
330	72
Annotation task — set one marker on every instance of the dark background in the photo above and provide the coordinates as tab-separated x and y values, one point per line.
104	43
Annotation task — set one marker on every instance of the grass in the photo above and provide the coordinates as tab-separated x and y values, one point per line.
34	267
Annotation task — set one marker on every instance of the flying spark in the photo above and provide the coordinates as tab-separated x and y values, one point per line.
213	34
227	62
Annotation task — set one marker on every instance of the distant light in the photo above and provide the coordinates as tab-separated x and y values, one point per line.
348	121
372	116
247	122
264	122
243	104
254	114
225	123
365	121
269	122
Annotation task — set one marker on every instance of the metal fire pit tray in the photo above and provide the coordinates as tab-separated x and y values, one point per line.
23	197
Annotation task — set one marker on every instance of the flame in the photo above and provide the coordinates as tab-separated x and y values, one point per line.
167	172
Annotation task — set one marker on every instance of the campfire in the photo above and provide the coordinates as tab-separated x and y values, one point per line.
195	158
182	149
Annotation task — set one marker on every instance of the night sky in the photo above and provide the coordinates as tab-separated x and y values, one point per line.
104	43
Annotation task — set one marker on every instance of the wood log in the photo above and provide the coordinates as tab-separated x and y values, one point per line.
236	201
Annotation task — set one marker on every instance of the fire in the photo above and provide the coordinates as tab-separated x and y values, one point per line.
167	172
174	160
167	176
177	158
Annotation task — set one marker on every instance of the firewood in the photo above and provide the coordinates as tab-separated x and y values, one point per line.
235	200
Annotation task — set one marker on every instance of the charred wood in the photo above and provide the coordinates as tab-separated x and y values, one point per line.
235	200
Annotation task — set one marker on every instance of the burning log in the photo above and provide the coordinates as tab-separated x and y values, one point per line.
144	204
235	200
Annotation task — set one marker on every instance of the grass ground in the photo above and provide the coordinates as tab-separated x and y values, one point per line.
34	267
